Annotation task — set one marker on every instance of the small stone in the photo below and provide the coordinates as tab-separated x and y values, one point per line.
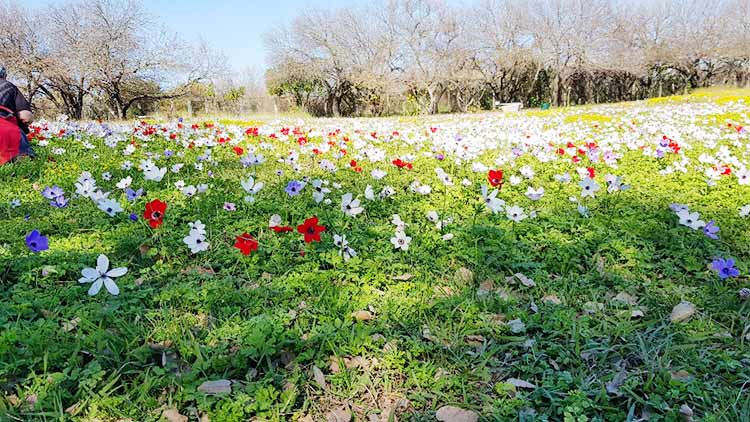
320	379
527	282
593	307
485	288
687	413
637	313
497	319
516	326
455	414
71	325
625	298
681	375
216	387
464	275
552	299
518	383
363	316
173	415
377	337
339	415
682	312
475	339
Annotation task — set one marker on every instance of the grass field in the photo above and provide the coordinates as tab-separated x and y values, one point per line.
602	297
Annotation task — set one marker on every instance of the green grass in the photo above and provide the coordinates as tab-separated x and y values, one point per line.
265	321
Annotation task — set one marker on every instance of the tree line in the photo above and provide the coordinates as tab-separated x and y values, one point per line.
425	56
112	59
99	58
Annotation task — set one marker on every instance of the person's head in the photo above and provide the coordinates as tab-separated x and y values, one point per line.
3	72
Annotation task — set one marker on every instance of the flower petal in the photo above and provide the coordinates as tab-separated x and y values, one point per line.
90	273
102	264
117	272
111	286
94	289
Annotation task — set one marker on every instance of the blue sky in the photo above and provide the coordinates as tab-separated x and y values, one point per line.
234	26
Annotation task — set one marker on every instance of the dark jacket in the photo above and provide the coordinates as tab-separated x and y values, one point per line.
12	98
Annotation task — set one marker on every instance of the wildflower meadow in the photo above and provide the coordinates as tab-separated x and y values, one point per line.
577	264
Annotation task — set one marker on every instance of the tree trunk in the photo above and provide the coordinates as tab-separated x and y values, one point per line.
557	90
336	106
435	95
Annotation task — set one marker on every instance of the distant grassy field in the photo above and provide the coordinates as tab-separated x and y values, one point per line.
600	297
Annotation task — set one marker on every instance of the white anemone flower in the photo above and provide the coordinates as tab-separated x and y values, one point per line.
401	241
124	183
589	187
344	250
515	213
400	225
743	177
251	186
433	216
691	219
275	221
196	243
615	184
378	174
745	211
534	194
189	191
85	188
490	199
350	206
154	173
196	239
319	190
110	207
369	193
102	275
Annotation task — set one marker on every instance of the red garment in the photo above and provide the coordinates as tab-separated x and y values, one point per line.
10	136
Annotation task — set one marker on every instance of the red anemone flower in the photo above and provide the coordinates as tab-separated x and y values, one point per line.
495	177
311	229
246	243
282	229
155	213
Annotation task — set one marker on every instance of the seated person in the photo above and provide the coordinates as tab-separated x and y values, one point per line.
15	117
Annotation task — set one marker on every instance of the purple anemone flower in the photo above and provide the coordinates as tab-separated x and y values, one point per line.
52	192
294	187
710	230
36	242
133	194
59	202
725	268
